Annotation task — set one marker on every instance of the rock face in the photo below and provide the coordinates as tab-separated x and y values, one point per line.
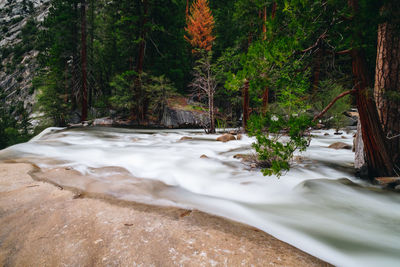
17	59
41	225
175	118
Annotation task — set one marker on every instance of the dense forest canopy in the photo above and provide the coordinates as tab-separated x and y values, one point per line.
270	66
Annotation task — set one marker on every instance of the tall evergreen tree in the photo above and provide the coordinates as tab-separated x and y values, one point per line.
200	25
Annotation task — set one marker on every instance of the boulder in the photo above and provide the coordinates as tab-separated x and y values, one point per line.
177	118
239	137
351	121
353	116
226	138
103	122
340	145
204	156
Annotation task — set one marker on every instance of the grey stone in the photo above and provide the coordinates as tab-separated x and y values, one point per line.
175	118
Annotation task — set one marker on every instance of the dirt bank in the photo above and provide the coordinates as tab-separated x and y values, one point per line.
43	225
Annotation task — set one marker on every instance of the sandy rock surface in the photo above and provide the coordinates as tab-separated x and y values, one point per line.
43	225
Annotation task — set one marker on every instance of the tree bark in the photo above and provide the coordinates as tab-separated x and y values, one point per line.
317	69
91	50
377	156
75	61
211	111
264	28
84	61
265	97
140	96
375	149
274	5
387	86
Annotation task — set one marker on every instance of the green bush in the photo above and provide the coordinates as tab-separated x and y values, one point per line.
278	137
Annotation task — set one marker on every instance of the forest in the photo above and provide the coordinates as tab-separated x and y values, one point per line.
268	66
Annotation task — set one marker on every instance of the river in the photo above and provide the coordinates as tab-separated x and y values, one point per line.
319	206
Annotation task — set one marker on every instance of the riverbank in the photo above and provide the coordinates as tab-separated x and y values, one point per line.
44	225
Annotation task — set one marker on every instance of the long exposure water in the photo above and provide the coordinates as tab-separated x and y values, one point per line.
318	206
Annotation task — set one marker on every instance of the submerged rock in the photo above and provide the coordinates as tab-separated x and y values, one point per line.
186	138
340	145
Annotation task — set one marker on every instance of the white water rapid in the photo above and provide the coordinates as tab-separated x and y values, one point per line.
318	206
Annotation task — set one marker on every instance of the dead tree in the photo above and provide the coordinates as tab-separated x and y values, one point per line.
204	82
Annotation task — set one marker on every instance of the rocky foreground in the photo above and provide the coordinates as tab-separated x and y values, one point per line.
44	225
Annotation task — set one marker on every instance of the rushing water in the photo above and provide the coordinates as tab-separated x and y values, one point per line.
318	206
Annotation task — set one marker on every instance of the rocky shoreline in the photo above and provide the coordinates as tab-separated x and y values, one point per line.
44	225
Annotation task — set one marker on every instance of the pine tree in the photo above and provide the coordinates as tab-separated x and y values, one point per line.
200	25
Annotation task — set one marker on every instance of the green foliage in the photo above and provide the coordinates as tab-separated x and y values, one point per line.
51	101
278	137
159	91
123	88
335	115
13	130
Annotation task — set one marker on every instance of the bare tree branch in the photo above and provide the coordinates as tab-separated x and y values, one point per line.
333	102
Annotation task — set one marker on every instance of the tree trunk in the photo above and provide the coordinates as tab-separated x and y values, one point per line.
358	147
75	61
91	50
377	156
84	61
387	87
140	106
211	111
245	103
265	97
264	27
376	153
265	100
317	69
